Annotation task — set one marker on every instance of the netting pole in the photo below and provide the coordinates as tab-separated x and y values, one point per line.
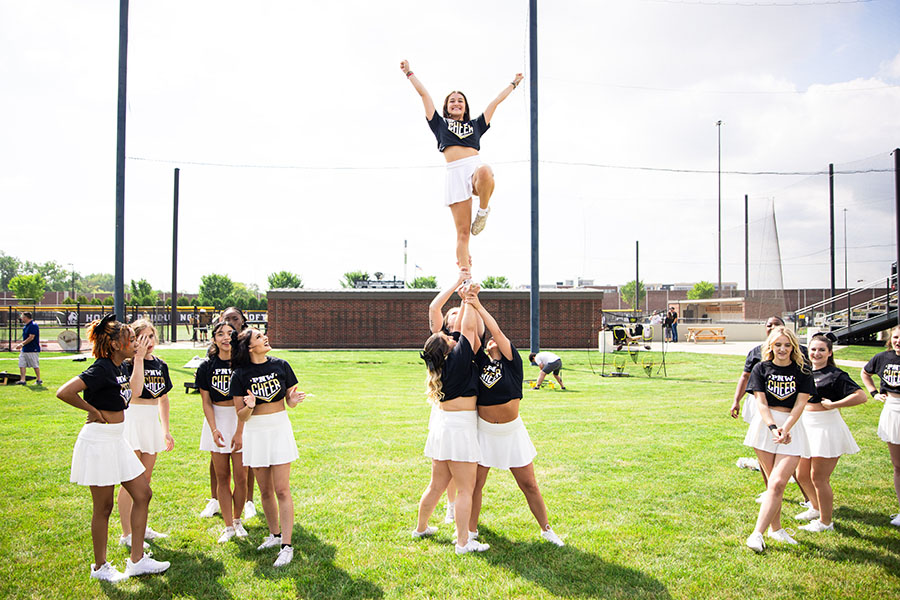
719	288
897	217
533	85
119	287
746	245
831	216
173	309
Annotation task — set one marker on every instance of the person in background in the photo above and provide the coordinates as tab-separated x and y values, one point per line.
29	349
548	363
673	318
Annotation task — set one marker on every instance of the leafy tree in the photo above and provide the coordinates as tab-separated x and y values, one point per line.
183	301
96	282
214	289
81	299
69	300
9	268
58	278
627	293
253	304
28	286
109	301
492	282
142	293
96	301
701	290
425	282
263	303
285	279
351	277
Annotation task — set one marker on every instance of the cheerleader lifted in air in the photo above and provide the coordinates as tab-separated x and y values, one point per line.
458	138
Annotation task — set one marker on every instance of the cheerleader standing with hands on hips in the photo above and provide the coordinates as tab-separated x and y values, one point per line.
782	385
886	365
102	457
222	432
459	139
828	435
262	386
150	386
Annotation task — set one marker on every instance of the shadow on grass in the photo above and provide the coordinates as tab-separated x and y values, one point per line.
192	575
568	571
889	559
312	570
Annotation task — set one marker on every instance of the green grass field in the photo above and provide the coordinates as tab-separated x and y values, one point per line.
638	474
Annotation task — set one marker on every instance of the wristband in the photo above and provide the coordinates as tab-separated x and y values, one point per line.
773	426
409	74
514	84
873	393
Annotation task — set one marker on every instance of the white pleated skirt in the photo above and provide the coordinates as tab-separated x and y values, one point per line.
750	409
103	457
759	436
505	445
454	436
269	440
889	422
827	434
143	430
226	423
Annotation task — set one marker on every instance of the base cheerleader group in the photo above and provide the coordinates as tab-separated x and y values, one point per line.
796	428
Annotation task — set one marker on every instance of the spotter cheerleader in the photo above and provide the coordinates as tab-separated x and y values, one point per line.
222	433
502	436
150	386
782	385
262	386
452	444
828	435
887	366
102	457
458	138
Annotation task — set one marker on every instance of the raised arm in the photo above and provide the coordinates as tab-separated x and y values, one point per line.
435	317
503	343
420	89
136	382
467	320
489	111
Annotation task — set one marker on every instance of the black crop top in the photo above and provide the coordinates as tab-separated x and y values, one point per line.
780	384
459	376
268	381
499	381
107	386
214	376
887	366
832	384
450	132
156	377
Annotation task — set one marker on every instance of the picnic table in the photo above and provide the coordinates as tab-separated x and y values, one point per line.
706	334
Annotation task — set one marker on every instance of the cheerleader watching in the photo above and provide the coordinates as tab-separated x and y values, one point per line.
502	436
782	385
150	386
452	444
262	386
102	457
828	435
222	433
887	366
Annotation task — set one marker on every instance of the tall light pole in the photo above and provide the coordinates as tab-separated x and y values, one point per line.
846	289
73	280
719	130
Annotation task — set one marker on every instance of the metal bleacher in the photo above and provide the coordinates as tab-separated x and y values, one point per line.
858	314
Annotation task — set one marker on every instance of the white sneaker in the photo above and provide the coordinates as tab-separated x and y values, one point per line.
782	536
817	526
895	521
107	572
428	531
480	221
145	566
473	535
451	513
249	510
149	534
549	535
211	508
472	546
270	541
239	530
760	497
226	535
285	555
806	504
808	515
125	540
756	542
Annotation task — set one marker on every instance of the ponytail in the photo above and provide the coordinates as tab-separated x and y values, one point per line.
103	332
434	354
240	347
